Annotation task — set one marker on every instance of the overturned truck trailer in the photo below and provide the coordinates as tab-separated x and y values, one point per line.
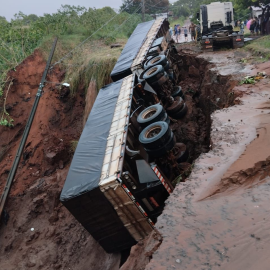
148	39
127	156
98	187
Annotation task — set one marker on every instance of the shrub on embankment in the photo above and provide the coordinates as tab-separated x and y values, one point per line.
260	47
73	25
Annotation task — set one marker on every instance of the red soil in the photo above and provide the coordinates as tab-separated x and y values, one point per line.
57	241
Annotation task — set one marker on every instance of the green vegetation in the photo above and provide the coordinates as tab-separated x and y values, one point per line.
93	70
248	80
191	7
253	79
73	146
180	20
5	119
73	25
260	47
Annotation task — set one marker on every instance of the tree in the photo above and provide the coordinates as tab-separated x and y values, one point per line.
179	11
31	18
243	4
3	20
130	6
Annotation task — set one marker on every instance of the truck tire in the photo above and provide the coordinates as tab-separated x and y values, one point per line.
182	154
148	58
166	119
151	115
162	150
154	51
153	74
176	106
177	92
155	135
158	60
180	113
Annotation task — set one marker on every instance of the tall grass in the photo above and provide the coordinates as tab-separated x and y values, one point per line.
260	47
95	70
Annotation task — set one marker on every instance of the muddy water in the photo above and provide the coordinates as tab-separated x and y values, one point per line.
219	218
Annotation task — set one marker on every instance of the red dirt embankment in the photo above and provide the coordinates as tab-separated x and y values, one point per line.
40	233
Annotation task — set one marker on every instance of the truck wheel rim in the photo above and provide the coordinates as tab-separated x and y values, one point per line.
151	71
155	60
149	113
153	132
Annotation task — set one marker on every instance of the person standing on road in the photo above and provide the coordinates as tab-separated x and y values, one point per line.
178	33
175	29
257	26
171	32
252	26
192	31
186	34
242	27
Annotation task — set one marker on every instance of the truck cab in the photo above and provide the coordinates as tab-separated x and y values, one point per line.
216	23
216	16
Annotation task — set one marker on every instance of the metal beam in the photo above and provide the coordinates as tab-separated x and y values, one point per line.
16	160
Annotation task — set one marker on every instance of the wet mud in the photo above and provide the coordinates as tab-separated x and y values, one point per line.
219	218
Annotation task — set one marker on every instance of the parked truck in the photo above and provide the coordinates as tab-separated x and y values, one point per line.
216	24
127	156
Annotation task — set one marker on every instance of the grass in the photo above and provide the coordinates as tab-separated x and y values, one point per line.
65	44
95	70
180	20
260	47
93	61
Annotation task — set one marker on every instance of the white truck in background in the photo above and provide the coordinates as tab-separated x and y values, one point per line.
217	23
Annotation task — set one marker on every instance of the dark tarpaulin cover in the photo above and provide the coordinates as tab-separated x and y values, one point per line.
81	194
130	51
85	169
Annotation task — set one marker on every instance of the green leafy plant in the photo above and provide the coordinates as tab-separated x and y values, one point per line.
73	146
6	122
248	80
243	60
5	119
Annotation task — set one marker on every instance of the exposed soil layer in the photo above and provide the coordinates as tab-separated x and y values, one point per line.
205	91
219	218
39	232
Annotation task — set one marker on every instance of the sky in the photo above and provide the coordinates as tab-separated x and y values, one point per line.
38	7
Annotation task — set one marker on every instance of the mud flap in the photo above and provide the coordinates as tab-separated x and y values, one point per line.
237	41
145	173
